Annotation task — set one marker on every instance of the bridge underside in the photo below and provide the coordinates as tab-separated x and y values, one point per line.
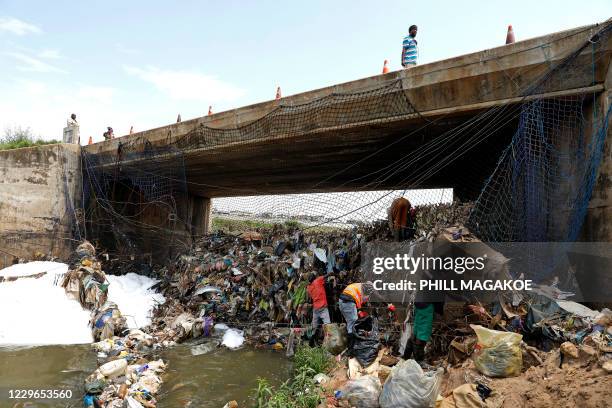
378	157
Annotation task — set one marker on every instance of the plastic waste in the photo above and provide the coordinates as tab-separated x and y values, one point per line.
85	249
320	253
207	289
132	403
95	387
233	338
321	378
221	326
366	344
362	392
113	368
408	386
334	339
90	401
497	353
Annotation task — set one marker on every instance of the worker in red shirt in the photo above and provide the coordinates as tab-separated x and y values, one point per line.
316	291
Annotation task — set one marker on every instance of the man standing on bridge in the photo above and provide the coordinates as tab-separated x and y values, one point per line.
409	48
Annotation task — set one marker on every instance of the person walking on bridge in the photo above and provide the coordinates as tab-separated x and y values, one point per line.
409	48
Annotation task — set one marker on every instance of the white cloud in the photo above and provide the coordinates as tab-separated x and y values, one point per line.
35	88
186	85
32	64
50	54
18	27
126	50
100	94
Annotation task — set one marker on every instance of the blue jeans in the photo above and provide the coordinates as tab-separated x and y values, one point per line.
349	312
320	315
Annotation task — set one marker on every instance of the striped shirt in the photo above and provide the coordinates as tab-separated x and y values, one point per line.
410	50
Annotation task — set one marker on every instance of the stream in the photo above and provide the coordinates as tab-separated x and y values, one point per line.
45	345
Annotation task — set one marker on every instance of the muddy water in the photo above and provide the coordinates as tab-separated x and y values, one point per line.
45	367
217	376
197	376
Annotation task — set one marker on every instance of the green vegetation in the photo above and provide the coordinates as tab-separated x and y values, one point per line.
230	225
301	391
17	137
233	225
315	358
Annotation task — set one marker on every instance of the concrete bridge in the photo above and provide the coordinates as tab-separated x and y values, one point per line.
340	137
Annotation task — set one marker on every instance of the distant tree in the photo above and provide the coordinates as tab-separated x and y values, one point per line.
17	134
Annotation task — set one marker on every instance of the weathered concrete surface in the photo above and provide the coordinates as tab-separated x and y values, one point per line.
598	221
39	187
448	93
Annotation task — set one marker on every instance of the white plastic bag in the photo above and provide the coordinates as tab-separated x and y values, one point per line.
363	392
408	386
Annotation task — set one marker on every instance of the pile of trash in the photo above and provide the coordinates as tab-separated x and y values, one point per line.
432	220
256	281
87	283
568	360
125	377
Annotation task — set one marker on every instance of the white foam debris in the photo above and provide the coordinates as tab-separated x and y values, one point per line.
34	268
34	311
233	338
221	327
133	295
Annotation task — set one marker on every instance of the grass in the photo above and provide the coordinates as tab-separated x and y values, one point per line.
233	225
315	358
301	391
230	225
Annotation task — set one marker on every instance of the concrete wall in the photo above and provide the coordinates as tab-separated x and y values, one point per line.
598	221
39	187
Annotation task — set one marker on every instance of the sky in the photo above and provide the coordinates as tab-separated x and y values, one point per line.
141	63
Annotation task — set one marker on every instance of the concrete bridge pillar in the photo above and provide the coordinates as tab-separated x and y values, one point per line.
597	226
200	211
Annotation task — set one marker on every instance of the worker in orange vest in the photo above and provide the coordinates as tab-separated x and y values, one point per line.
351	299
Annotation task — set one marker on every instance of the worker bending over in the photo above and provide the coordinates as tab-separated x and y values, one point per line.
352	298
402	219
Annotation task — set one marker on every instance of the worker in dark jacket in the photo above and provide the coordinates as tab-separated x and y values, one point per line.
402	219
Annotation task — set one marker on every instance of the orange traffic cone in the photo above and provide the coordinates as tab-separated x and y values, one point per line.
278	93
385	67
90	141
510	35
210	110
